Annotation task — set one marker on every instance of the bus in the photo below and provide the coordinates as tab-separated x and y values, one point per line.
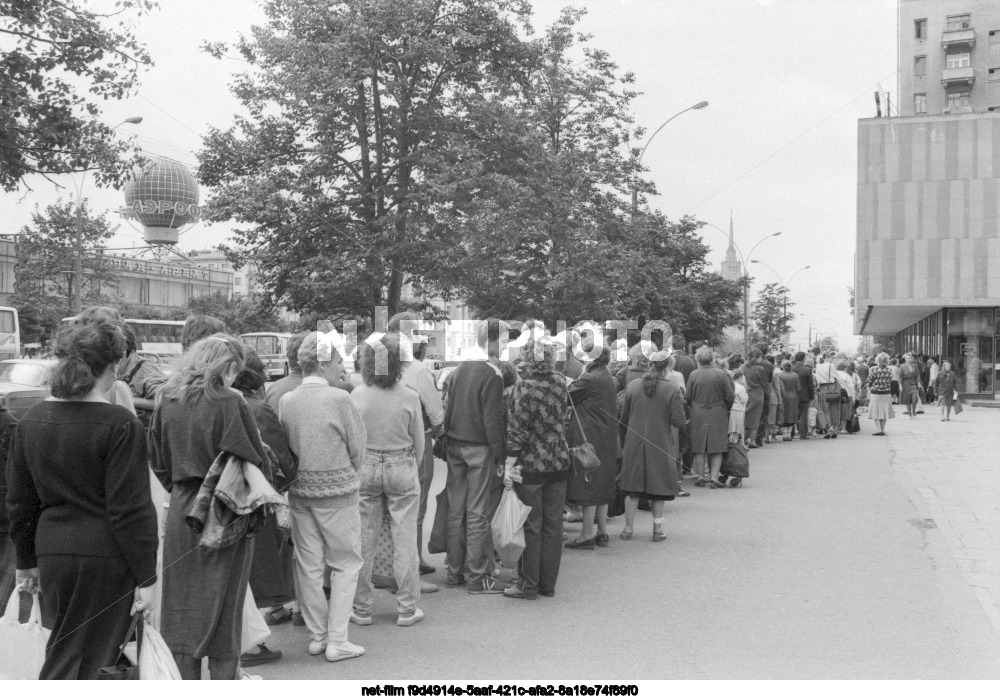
10	334
156	338
272	349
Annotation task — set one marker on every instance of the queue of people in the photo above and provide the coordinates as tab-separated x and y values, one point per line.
111	516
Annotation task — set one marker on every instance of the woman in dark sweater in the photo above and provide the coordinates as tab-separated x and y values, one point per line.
81	516
199	416
537	458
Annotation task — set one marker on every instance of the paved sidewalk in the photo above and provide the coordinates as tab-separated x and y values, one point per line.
955	469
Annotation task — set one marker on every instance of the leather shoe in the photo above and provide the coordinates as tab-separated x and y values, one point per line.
426	569
602	540
580	544
516	592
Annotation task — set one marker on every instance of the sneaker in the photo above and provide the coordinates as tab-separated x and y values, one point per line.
362	620
316	648
263	655
413	618
488	585
343	651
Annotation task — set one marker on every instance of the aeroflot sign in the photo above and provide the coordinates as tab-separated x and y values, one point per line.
153	206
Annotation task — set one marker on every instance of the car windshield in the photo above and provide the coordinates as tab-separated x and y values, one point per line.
18	373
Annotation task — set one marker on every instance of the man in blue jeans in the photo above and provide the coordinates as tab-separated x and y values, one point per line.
474	425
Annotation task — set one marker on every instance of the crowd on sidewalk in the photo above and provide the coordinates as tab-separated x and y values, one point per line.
202	500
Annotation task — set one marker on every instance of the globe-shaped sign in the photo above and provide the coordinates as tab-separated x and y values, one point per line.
163	198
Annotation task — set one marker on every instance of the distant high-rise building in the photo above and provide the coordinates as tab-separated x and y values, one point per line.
731	268
949	57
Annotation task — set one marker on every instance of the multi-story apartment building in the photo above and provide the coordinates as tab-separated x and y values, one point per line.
927	262
949	57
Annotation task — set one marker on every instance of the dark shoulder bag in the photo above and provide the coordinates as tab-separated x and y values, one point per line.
583	457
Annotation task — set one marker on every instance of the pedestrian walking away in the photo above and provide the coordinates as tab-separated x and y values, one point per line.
81	518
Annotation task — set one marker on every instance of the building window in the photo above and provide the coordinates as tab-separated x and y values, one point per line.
958	60
920	29
958	22
920	66
958	99
995	36
238	281
994	74
920	103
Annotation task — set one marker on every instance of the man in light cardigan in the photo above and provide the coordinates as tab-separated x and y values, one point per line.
327	434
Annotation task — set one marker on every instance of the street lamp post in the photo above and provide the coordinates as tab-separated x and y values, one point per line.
784	285
635	188
78	267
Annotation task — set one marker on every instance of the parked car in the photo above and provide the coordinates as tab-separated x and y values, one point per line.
23	383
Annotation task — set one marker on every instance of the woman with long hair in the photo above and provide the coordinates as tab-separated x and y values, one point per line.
82	521
880	390
652	408
199	416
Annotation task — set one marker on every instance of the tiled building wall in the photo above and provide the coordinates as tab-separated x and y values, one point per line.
928	201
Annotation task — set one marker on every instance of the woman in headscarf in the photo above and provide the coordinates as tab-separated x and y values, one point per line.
652	408
944	387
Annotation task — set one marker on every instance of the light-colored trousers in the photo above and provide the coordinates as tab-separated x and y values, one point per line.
331	537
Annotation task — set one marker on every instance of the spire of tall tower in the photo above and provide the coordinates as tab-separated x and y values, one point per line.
731	268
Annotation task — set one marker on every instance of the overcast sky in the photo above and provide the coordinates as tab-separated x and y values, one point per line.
786	80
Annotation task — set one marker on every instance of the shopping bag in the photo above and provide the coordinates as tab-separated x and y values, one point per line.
156	663
382	572
508	528
957	404
22	646
736	461
255	629
123	669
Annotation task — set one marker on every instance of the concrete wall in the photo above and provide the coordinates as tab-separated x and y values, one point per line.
928	200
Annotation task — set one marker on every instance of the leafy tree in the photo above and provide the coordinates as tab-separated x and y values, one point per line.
240	314
44	277
770	312
355	138
49	122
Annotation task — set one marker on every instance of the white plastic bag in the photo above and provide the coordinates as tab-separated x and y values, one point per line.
255	629
22	646
508	528
156	663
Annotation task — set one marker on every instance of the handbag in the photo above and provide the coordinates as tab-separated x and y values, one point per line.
583	457
123	669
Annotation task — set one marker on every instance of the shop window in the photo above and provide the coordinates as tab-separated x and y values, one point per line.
970	349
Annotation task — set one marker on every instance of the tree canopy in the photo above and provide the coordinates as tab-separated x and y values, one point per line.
60	57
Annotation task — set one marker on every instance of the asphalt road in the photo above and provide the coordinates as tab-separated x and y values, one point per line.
821	566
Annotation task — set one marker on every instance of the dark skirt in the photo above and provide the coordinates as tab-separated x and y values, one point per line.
271	570
8	565
599	491
86	602
648	496
203	589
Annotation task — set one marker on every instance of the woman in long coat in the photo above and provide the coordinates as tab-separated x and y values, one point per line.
593	396
944	387
271	575
710	395
786	385
651	409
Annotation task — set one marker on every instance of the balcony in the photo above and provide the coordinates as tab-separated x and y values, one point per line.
958	76
958	37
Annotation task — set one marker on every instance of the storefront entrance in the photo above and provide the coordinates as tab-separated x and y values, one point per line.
972	349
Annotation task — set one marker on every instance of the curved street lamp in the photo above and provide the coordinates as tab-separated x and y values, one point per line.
635	189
